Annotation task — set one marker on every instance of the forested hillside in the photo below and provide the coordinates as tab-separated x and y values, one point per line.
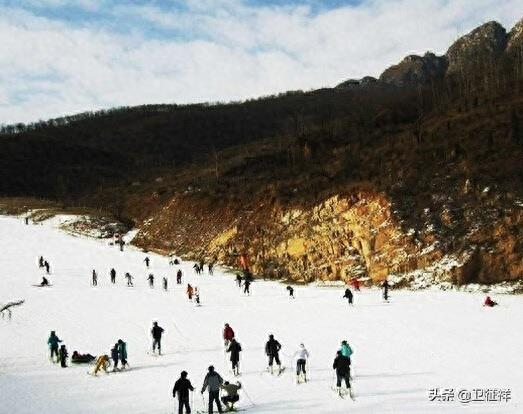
397	173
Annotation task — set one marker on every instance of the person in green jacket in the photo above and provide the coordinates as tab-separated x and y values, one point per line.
53	342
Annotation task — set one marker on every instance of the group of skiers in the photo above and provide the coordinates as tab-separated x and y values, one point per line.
213	382
200	266
58	353
129	278
42	263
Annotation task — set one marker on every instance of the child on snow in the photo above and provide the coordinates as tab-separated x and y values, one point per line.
62	354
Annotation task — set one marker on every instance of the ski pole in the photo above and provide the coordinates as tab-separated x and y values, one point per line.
249	398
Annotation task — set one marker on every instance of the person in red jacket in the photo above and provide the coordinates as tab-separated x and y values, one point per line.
489	302
356	284
228	334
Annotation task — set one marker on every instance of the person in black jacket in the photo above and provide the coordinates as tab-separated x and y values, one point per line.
348	295
156	333
235	349
182	386
272	348
62	355
385	287
113	276
342	366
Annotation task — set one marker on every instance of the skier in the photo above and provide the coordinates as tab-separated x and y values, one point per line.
235	348
232	394
301	356
182	386
41	261
129	279
272	348
291	291
489	302
197	268
228	335
176	262
348	295
53	342
356	284
179	277
26	221
164	282
114	356
156	333
342	366
101	363
246	286
146	260
62	354
44	282
211	268
122	351
47	266
95	278
213	380
189	291
197	297
239	280
121	242
151	280
113	276
385	287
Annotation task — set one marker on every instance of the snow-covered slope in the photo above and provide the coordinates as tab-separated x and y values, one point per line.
418	341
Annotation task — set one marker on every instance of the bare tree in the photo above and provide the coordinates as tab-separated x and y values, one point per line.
7	307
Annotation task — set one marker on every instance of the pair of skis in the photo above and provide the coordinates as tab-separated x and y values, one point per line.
278	373
343	393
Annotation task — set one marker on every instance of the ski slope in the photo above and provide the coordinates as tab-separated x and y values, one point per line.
418	341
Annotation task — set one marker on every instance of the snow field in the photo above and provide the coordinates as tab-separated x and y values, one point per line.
420	340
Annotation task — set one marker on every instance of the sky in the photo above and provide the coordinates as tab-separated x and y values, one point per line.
61	57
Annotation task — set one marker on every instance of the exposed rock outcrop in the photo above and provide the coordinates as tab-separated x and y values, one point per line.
415	69
482	45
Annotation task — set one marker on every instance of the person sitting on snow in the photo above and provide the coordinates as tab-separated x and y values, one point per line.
489	302
78	358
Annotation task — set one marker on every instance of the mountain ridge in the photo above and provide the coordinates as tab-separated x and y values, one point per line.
374	178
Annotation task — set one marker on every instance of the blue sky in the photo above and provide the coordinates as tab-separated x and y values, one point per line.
67	56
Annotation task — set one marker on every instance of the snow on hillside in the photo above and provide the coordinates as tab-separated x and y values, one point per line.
402	349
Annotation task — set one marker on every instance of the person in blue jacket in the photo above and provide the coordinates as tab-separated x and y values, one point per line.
53	342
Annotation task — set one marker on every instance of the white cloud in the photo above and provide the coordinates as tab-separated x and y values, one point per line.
215	51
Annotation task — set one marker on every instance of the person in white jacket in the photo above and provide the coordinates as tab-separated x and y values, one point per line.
301	356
